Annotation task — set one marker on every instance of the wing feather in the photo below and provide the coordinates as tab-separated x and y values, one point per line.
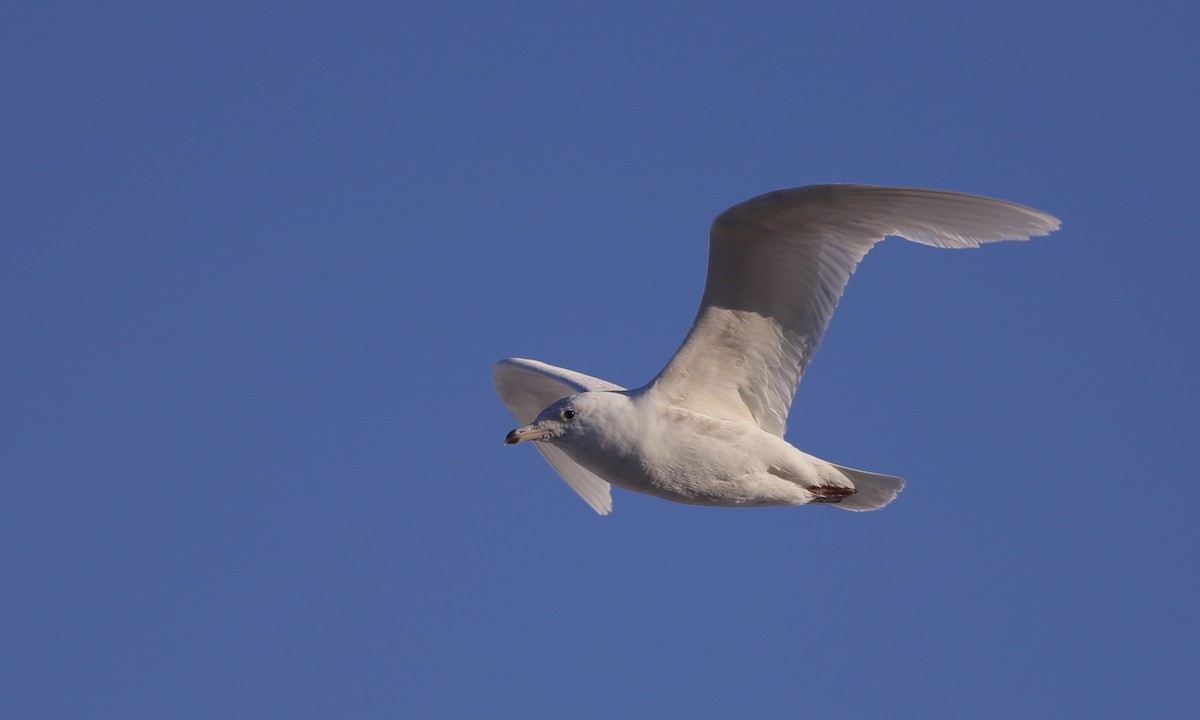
778	264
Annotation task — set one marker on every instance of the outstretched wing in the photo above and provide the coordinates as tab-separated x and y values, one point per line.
527	387
778	264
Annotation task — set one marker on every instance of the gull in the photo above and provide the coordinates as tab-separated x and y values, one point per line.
708	430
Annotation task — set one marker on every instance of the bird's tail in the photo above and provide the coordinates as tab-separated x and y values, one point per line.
873	490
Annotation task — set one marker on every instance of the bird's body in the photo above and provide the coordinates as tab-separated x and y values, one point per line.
708	430
650	447
642	444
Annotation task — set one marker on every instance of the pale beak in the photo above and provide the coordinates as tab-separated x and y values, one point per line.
523	433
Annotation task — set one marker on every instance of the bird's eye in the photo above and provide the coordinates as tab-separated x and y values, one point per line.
569	414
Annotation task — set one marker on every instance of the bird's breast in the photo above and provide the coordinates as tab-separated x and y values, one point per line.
673	454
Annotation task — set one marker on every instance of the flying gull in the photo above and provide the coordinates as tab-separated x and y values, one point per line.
708	430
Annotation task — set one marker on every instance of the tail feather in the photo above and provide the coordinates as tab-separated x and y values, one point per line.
873	490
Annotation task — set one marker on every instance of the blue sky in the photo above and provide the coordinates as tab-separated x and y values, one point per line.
259	258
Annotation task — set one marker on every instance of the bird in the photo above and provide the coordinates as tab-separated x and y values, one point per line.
709	428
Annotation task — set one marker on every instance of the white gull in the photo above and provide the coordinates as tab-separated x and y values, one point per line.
709	429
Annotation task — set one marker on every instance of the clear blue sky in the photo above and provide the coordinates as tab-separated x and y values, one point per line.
258	260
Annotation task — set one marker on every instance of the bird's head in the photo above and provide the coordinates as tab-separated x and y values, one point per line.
569	418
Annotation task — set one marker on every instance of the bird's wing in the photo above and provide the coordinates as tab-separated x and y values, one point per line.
778	264
527	387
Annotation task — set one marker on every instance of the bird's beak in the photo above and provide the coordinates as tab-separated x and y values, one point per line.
523	433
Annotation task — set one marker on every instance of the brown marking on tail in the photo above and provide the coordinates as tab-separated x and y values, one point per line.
830	495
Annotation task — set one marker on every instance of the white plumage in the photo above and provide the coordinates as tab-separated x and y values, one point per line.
708	430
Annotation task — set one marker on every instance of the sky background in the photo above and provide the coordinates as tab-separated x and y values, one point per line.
259	258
